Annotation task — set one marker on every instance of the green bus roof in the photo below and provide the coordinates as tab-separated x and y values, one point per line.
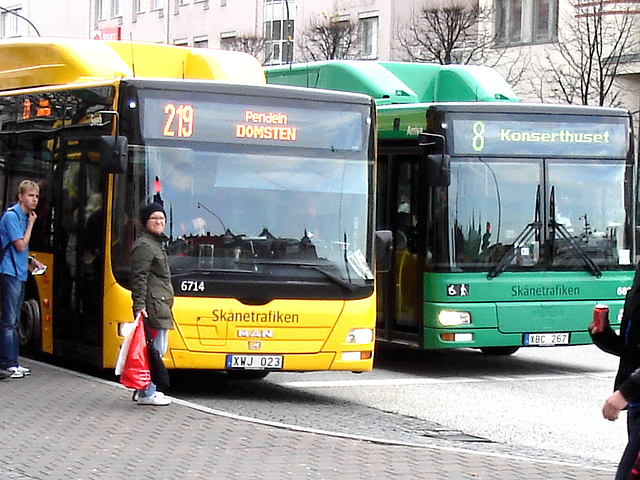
453	83
398	82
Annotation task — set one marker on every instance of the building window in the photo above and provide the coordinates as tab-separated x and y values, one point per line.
11	23
201	42
546	20
524	21
183	2
369	36
279	29
140	6
116	8
101	9
228	40
157	4
279	41
181	42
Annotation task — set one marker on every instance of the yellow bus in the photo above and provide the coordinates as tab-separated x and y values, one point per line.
268	192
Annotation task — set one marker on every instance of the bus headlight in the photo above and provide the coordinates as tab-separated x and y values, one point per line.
360	335
450	319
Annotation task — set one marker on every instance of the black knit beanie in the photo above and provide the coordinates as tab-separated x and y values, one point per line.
147	210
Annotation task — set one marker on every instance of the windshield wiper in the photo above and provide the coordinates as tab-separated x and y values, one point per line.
554	227
312	266
336	279
183	272
524	236
571	241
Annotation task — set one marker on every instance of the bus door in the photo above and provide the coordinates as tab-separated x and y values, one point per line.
399	298
79	247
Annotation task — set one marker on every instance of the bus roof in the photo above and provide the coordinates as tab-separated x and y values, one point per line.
34	62
453	83
398	82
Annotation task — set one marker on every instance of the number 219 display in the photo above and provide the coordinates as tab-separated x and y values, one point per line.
179	120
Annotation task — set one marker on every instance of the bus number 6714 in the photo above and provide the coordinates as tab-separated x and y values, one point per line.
191	286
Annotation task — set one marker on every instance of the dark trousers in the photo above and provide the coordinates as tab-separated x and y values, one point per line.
633	447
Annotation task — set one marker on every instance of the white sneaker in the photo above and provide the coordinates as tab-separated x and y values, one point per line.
157	399
15	373
24	370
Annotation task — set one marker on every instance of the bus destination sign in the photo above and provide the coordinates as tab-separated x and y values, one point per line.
591	139
179	122
236	123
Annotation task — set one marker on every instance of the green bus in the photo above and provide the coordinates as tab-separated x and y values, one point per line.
511	221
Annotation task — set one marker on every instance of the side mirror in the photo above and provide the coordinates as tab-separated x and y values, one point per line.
439	170
384	250
438	164
113	154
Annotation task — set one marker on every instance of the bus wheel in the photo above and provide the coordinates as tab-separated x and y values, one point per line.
247	374
29	326
499	350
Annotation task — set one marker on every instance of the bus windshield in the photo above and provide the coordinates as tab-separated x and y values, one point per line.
498	207
284	213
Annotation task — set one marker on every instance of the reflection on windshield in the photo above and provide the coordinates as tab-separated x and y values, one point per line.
495	213
249	212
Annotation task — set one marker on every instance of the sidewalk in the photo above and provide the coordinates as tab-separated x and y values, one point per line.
61	425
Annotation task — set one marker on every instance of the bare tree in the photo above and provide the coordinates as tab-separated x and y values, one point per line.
446	34
251	44
457	32
583	65
328	38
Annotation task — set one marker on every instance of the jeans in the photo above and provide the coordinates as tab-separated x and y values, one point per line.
161	341
631	451
12	295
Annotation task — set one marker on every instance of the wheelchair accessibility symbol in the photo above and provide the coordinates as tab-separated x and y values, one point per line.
458	290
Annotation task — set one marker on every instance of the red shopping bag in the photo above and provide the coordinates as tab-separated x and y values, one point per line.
136	373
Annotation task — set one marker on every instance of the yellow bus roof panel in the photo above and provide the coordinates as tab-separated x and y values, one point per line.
154	60
35	62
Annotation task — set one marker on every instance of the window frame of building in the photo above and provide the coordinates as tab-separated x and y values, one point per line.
520	22
11	23
277	33
227	39
342	47
368	29
116	8
156	5
201	41
140	6
101	10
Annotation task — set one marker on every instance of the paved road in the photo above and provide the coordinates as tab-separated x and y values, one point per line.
545	402
63	425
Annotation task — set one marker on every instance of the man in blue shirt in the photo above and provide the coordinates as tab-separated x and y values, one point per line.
16	225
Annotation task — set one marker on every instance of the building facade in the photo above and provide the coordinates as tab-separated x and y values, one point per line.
528	39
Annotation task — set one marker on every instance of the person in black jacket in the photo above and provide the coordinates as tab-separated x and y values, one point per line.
626	345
